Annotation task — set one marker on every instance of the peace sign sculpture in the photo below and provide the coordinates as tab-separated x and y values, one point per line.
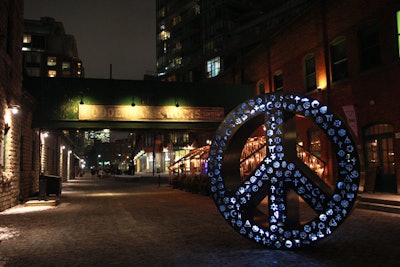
280	175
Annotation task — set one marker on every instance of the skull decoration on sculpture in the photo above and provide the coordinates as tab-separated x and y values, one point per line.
280	175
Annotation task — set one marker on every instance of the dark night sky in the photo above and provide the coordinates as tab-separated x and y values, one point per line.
117	32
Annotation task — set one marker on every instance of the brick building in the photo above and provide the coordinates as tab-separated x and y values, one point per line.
344	53
18	141
48	51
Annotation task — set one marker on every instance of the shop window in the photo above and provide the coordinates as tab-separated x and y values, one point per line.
314	139
339	60
369	47
278	81
379	142
51	61
379	129
213	67
310	75
379	146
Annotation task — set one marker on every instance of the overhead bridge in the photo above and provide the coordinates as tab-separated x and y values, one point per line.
130	104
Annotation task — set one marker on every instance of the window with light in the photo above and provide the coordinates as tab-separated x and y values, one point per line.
398	30
51	61
52	73
213	67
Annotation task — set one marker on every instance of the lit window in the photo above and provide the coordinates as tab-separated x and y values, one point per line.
51	61
177	61
310	77
27	39
314	142
278	81
398	30
339	60
52	73
161	12
26	42
196	8
164	35
213	67
66	66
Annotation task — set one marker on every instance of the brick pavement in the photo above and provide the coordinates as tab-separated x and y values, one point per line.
105	222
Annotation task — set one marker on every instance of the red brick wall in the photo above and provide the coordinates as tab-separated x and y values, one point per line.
374	93
11	25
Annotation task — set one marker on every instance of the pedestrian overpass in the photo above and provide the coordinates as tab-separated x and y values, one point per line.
162	121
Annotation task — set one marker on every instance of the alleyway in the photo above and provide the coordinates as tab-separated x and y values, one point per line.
106	222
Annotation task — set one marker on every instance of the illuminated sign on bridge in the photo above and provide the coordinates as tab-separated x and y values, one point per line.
150	113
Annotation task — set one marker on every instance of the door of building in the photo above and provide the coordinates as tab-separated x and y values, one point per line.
379	142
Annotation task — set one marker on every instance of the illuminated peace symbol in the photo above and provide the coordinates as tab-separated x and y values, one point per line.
281	174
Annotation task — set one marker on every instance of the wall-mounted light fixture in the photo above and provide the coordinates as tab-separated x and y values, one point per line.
14	109
319	89
176	102
133	102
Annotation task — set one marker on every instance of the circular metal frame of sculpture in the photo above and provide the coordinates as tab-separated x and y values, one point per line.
280	173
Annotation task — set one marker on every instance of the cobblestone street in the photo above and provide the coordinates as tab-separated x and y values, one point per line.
106	222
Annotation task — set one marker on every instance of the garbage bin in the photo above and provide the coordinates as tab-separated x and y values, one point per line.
42	188
53	184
